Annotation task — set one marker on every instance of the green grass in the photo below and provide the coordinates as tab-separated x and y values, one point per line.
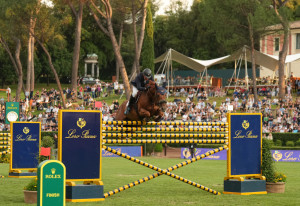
165	190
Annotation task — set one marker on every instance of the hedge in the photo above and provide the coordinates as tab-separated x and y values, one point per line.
284	137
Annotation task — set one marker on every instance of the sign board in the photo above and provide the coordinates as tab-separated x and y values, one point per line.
286	155
133	151
25	144
245	145
51	183
186	154
80	145
12	112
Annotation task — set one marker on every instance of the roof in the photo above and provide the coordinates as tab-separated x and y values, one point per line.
293	25
268	61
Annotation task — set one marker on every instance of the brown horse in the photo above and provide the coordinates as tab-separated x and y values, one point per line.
150	103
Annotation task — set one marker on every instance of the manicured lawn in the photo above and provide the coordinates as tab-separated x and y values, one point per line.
165	190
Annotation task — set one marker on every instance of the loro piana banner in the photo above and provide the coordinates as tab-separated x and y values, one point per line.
79	144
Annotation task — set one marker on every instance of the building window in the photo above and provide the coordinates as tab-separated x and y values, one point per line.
276	44
297	41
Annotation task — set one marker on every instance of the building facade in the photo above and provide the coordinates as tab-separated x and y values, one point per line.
271	43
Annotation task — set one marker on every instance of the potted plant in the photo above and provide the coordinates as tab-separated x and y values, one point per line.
30	192
275	181
278	185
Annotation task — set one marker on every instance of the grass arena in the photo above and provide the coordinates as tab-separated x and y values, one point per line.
119	175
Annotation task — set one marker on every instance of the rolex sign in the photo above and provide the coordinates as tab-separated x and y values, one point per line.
51	183
12	112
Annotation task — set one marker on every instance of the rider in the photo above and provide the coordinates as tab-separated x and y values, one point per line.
138	84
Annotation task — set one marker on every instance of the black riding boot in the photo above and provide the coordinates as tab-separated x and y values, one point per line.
130	103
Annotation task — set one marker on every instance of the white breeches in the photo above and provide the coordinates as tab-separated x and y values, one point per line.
134	91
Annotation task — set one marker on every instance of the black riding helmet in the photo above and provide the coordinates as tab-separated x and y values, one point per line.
147	72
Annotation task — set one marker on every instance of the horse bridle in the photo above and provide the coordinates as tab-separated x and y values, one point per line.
156	101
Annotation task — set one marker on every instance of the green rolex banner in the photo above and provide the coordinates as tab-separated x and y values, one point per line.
51	186
12	112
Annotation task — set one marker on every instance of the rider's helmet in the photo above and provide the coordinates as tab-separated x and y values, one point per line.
147	73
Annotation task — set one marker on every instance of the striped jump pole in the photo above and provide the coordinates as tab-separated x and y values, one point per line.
139	141
164	135
5	152
5	134
166	171
132	184
139	123
5	144
152	129
4	138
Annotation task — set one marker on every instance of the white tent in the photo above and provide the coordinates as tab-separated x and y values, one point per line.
289	58
264	60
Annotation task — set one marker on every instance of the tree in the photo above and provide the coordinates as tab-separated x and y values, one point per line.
122	13
104	10
16	62
280	11
35	8
247	19
48	32
76	7
148	45
138	43
11	35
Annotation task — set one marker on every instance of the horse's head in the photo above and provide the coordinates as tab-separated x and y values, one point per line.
158	94
151	85
161	98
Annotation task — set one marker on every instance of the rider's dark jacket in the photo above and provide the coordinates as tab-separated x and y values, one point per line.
139	82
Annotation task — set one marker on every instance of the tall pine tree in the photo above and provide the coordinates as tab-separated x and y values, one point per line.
147	56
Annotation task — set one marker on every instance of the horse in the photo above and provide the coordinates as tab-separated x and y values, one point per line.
149	104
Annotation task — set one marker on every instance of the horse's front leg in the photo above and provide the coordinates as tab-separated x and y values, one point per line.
144	113
158	114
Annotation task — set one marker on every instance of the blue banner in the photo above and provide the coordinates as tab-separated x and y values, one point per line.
278	155
186	154
245	144
79	148
133	151
286	155
25	145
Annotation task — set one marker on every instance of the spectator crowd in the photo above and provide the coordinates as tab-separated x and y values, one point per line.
279	115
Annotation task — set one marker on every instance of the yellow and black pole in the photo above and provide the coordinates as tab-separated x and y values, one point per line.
164	135
167	129
166	123
161	171
168	141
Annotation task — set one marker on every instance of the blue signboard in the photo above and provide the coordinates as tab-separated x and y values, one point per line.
186	154
25	145
244	145
286	155
133	151
278	155
80	144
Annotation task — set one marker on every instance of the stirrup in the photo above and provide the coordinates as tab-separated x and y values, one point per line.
127	111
